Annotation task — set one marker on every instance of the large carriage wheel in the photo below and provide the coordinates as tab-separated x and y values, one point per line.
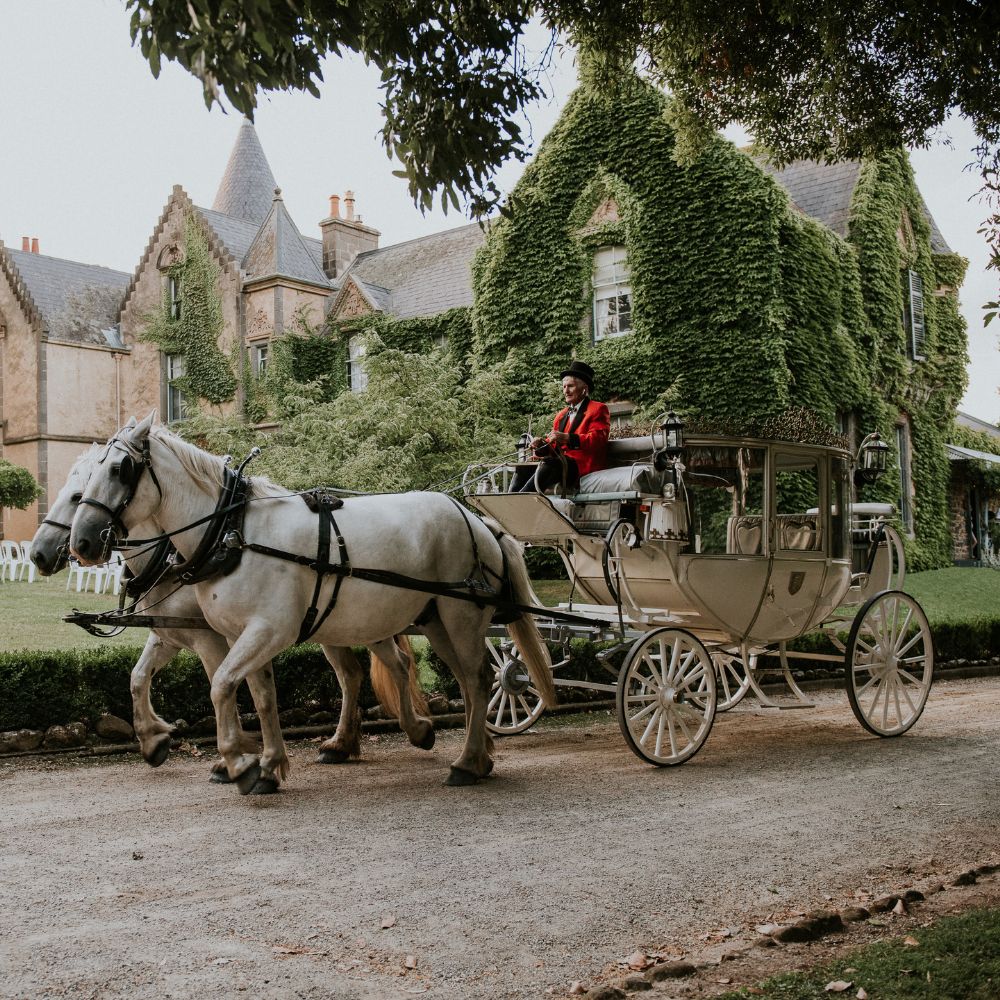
733	678
514	703
890	663
666	696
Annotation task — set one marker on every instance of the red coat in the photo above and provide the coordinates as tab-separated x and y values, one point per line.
588	442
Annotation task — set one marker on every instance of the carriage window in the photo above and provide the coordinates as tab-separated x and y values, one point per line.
840	522
612	294
797	522
725	494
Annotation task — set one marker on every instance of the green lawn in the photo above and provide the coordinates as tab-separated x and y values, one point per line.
31	613
31	616
956	593
957	958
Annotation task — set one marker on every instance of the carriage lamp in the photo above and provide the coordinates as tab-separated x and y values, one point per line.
872	457
668	441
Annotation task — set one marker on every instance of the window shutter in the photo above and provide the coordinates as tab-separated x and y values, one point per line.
917	333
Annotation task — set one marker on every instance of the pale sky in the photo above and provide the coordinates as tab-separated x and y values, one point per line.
92	146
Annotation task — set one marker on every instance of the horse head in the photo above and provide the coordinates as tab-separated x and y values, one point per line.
118	495
50	546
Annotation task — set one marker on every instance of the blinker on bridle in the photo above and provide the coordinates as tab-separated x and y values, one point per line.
128	471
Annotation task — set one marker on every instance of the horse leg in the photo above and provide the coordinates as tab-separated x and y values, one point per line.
152	732
248	654
346	741
211	648
399	665
458	638
274	763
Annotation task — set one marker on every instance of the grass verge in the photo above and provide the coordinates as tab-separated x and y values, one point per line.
957	957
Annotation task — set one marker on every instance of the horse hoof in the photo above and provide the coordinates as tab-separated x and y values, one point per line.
159	753
489	768
333	757
264	786
456	776
246	781
427	742
219	775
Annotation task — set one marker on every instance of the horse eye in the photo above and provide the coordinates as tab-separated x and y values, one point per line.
116	470
76	498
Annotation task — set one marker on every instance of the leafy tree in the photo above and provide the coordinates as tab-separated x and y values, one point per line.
17	486
416	426
841	80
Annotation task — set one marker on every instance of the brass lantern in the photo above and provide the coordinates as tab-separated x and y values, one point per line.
872	457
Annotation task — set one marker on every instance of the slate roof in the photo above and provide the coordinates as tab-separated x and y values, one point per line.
823	191
422	277
975	424
247	186
279	250
956	454
55	287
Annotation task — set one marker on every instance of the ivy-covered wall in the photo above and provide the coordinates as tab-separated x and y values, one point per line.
741	306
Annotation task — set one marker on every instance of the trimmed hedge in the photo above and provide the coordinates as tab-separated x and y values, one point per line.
39	689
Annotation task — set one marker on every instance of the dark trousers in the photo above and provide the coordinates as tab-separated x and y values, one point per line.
549	475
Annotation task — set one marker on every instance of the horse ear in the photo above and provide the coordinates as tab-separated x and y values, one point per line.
141	429
130	424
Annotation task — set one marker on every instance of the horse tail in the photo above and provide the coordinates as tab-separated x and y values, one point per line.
524	631
385	687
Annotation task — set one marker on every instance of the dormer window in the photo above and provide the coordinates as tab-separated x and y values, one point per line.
357	377
612	294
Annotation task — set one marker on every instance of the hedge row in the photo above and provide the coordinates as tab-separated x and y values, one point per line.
39	689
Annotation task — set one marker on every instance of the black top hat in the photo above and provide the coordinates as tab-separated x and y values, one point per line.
580	370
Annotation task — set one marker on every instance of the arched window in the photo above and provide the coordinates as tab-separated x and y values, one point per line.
357	377
612	294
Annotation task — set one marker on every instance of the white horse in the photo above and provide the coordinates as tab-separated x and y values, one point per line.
50	551
146	473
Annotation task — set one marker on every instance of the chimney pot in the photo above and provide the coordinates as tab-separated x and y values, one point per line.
334	206
34	244
26	244
349	205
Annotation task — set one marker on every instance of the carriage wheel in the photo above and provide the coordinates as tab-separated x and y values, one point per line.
666	697
514	703
732	680
890	663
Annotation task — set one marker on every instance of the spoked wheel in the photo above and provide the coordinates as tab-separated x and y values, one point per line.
890	663
514	703
666	697
732	680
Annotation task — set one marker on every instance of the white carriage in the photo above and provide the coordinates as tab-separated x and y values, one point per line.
705	558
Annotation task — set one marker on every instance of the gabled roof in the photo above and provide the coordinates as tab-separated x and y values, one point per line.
824	191
278	250
422	277
54	290
975	424
248	185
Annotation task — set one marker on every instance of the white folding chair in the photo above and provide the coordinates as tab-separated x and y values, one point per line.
116	567
79	573
27	566
12	558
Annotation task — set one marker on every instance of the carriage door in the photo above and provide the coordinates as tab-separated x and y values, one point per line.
798	544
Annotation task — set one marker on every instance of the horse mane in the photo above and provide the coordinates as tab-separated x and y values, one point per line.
209	470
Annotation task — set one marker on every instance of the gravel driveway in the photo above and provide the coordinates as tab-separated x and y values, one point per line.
120	881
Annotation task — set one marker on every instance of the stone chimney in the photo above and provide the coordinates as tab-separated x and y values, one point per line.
34	244
344	237
26	244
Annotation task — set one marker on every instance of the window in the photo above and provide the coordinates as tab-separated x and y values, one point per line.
175	398
174	296
797	524
261	355
913	314
612	294
724	487
905	488
357	377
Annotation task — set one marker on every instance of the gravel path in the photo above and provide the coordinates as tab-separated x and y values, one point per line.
116	880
